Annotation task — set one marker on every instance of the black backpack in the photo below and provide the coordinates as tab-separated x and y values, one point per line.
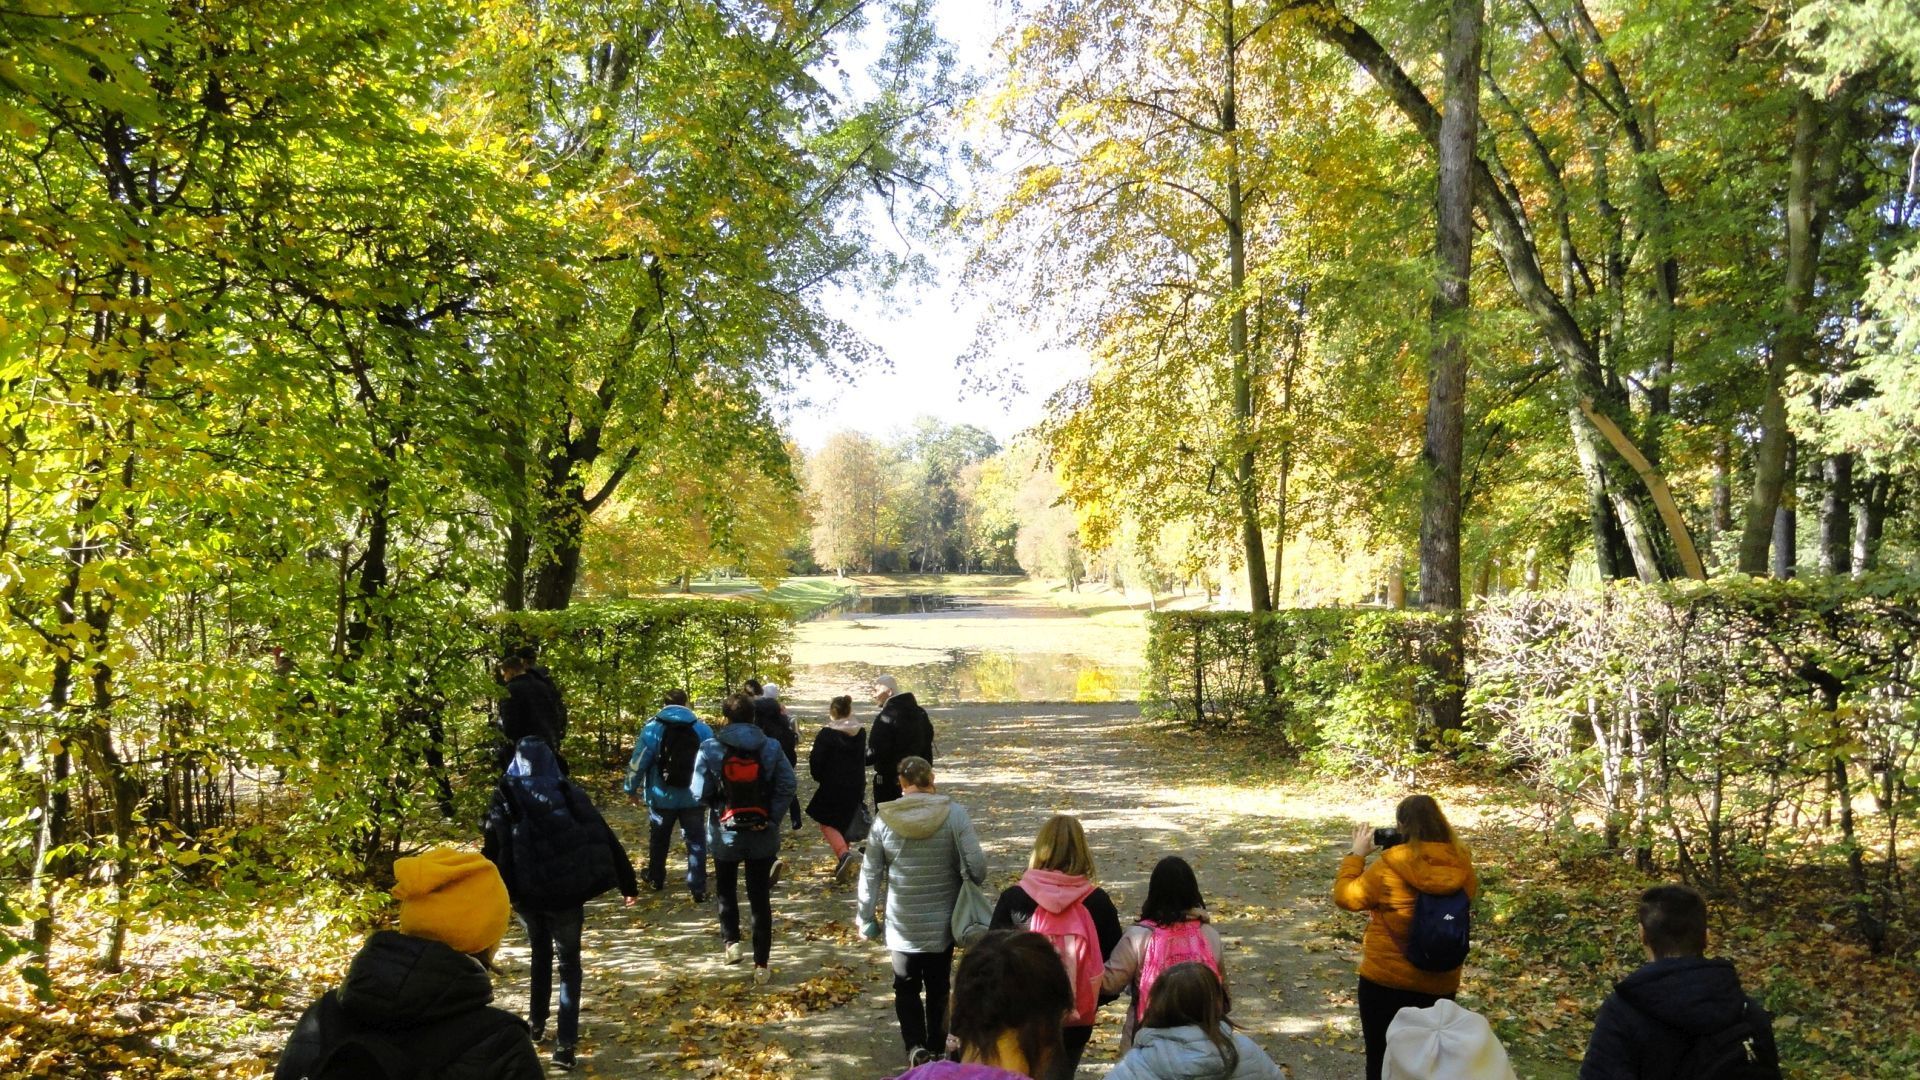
1735	1052
1437	938
748	792
679	753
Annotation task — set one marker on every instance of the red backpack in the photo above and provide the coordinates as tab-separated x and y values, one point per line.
748	792
1169	946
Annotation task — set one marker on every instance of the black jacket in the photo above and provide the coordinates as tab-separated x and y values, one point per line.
1655	1016
838	763
768	717
902	730
554	850
420	999
531	709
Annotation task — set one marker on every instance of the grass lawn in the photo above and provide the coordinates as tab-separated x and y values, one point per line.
804	596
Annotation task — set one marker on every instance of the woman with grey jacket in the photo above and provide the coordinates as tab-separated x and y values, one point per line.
921	845
1185	1034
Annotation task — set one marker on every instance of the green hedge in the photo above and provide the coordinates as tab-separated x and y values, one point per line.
614	659
1718	728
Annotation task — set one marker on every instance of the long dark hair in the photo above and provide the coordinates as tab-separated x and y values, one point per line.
1190	995
1172	892
1012	982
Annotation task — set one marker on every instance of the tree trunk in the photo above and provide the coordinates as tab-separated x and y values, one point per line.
1836	515
1771	467
1447	357
1259	596
1869	520
1721	520
513	593
1786	524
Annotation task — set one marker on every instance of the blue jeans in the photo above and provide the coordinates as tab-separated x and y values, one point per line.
555	935
693	823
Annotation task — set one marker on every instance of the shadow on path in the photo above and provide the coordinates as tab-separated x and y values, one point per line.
659	1002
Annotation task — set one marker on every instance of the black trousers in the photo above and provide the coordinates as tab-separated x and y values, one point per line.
923	1020
1378	1006
1073	1045
726	876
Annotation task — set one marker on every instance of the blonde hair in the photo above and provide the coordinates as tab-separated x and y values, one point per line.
1062	846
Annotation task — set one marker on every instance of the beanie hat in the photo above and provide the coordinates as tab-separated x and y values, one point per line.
455	897
770	690
1445	1042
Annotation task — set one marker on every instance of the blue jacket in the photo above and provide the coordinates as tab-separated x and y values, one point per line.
729	846
644	765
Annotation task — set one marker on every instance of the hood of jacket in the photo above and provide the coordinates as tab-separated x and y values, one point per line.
1179	1053
1692	993
1434	869
533	759
743	736
401	981
846	725
675	714
900	705
917	814
1054	890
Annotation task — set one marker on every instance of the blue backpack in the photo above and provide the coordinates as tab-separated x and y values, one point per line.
1437	936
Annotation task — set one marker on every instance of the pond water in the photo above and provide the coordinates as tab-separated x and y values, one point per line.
986	675
906	604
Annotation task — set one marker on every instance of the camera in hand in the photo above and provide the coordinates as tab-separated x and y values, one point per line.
1386	838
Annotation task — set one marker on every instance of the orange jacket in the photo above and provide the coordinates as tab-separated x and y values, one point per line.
1387	889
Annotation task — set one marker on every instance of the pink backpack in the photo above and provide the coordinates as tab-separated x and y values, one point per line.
1170	946
1073	936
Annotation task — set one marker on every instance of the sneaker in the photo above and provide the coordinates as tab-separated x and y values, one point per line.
840	867
761	976
733	952
563	1058
699	898
773	876
539	1033
919	1056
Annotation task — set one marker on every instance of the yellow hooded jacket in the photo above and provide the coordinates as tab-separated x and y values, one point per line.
1388	890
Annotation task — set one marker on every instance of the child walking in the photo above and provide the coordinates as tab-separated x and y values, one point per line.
1173	929
838	764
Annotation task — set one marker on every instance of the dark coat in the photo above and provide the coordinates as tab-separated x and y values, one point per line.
1655	1015
423	999
554	850
771	719
530	709
902	730
838	763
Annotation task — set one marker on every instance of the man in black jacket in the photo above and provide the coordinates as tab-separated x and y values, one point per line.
417	1001
531	708
902	730
1681	1015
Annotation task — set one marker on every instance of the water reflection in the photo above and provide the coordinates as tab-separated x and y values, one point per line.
897	604
981	676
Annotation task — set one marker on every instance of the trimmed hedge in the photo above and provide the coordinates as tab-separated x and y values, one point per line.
614	659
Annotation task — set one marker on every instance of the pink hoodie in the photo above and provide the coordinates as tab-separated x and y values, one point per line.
1061	916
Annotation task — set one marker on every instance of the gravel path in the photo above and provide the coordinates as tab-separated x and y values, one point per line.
659	1002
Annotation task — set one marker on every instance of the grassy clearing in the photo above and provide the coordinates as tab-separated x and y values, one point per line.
804	596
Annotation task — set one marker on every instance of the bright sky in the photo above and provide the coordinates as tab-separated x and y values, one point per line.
923	329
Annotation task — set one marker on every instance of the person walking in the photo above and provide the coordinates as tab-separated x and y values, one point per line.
417	1001
1427	859
1173	929
838	764
1009	996
774	719
748	784
530	706
902	730
1680	1015
1057	899
1185	1035
555	852
922	845
664	770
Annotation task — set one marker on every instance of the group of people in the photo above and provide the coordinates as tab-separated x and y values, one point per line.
1033	975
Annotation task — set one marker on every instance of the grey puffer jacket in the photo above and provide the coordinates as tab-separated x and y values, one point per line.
1185	1053
920	846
